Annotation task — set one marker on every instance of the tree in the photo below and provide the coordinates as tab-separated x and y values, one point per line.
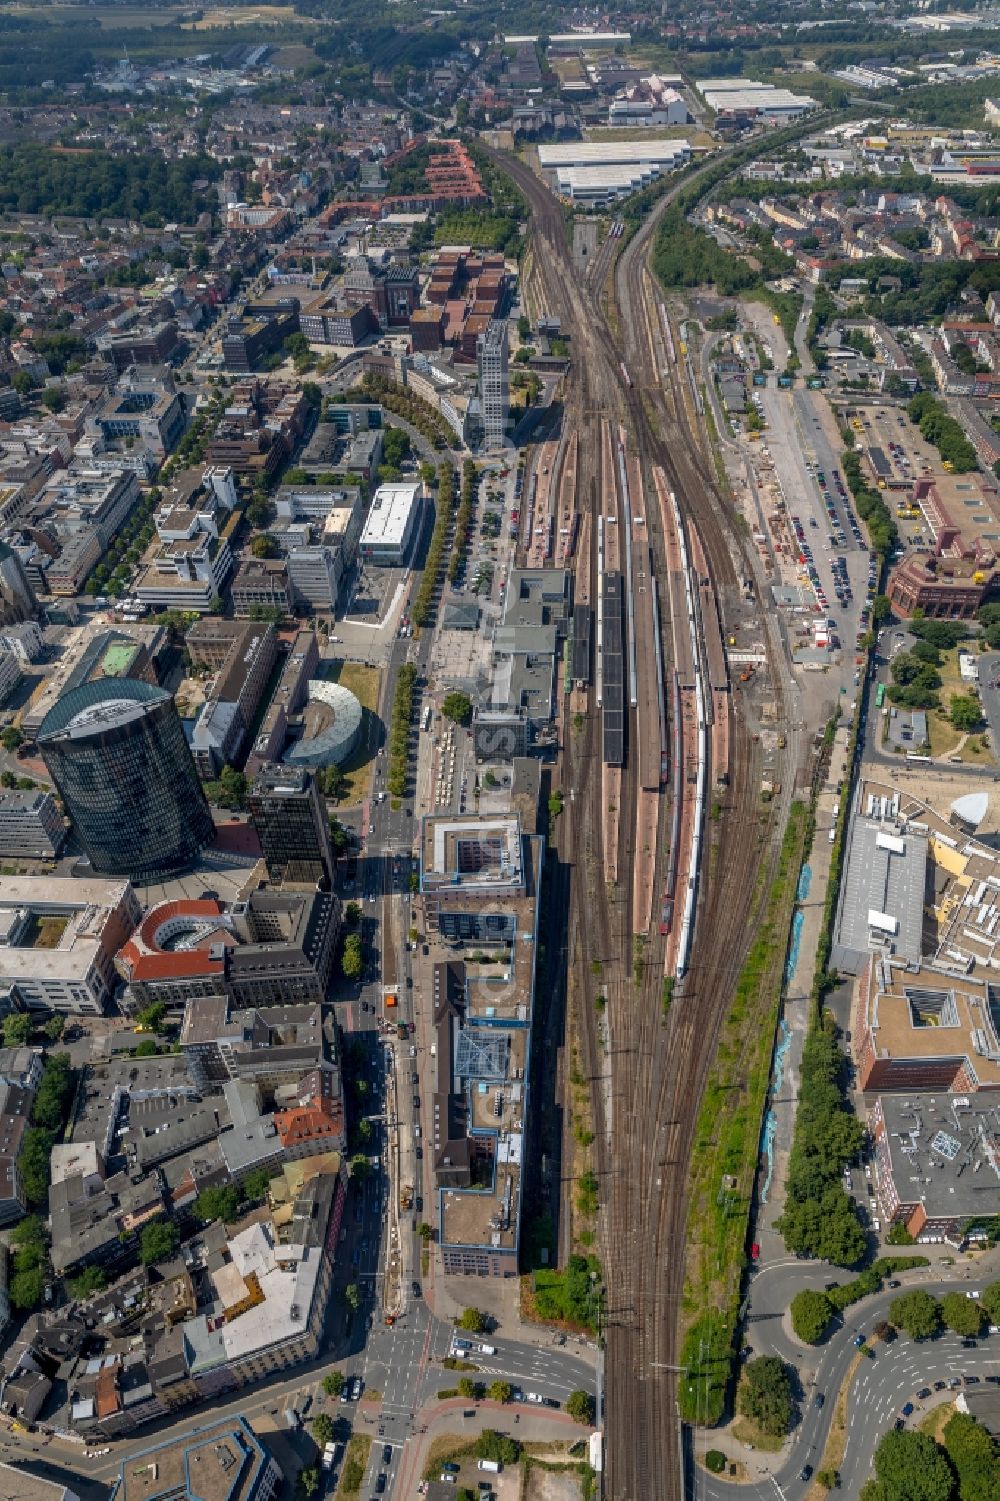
333	1383
91	1280
581	1406
33	1163
499	1446
352	1296
916	1313
360	1167
811	1314
332	783
962	1314
150	1018
256	1183
765	1395
457	707
147	1049
352	914
426	1232
17	1029
158	1242
881	608
217	1204
54	1027
990	1300
910	1467
322	1429
265	546
975	1455
309	1481
467	1388
11	738
351	960
53	399
55	1093
500	1391
26	1288
340	837
965	711
472	1319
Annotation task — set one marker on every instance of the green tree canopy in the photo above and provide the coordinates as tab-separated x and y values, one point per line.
158	1242
961	1314
990	1300
910	1467
975	1455
764	1395
473	1319
91	1280
965	711
458	707
333	1383
811	1313
322	1429
217	1204
916	1313
499	1391
581	1406
17	1029
351	960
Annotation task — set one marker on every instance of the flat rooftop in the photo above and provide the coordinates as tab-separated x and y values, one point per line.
944	1151
930	1016
612	153
473	852
390	515
220	1462
882	900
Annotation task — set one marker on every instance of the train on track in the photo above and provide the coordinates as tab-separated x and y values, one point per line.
625	375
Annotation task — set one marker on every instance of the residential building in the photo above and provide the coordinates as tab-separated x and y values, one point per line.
392	522
223	1461
116	751
31	826
24	641
59	938
293	826
494	390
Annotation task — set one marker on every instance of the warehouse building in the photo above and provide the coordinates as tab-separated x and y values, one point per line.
759	101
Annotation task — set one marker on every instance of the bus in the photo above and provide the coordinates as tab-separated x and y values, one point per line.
880	695
428	716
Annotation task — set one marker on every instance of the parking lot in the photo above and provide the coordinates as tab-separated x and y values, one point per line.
896	456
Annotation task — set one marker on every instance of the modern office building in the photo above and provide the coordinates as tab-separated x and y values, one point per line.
224	1461
31	826
59	938
116	751
292	825
494	388
391	524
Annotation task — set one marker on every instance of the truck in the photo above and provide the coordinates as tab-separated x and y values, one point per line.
494	1466
329	1451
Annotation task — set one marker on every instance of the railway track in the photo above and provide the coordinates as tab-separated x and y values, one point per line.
644	1125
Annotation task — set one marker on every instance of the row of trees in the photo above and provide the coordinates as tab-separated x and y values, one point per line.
871	507
820	1217
423	605
399	727
402	403
812	1311
133	537
48	1116
921	1316
463	522
944	432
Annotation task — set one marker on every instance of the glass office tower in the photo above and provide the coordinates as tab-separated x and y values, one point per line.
116	751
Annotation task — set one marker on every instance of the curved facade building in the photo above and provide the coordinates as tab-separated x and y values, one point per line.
333	724
117	753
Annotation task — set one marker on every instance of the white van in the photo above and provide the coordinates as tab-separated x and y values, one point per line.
832	834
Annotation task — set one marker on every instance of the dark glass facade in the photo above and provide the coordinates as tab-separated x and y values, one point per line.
116	751
292	826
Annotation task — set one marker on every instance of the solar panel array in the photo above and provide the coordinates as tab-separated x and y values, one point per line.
613	663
